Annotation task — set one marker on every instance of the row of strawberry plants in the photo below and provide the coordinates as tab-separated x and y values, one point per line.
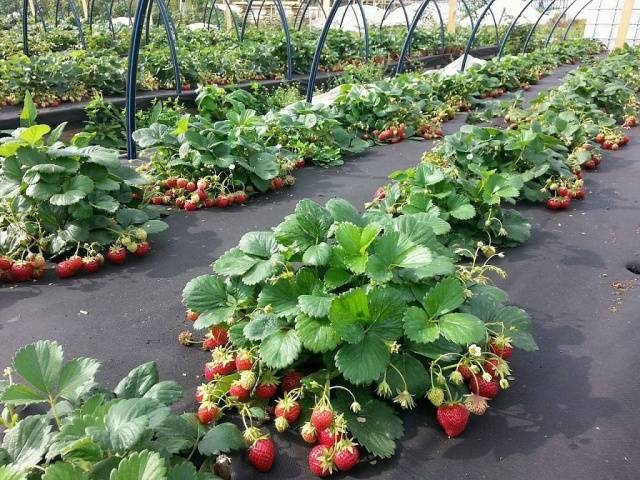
60	71
231	149
86	431
341	307
70	203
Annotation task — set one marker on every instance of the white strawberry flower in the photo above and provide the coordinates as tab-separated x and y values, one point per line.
475	350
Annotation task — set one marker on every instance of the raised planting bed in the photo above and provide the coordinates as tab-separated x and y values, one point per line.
74	112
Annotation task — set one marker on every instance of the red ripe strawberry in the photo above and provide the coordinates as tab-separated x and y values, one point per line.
191	187
172	182
21	271
239	392
501	348
320	461
5	263
563	191
210	371
143	249
453	419
117	255
624	140
219	335
202	195
291	380
5	276
180	202
277	183
222	201
191	315
600	138
265	391
346	456
379	194
64	270
480	386
590	164
209	203
91	264
244	361
328	438
190	206
207	413
289	409
226	368
182	182
157	200
578	194
552	203
202	184
240	197
465	371
76	263
321	418
262	454
615	146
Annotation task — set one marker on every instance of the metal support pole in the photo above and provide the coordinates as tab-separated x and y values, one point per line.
132	74
566	32
25	27
535	25
474	31
510	29
557	22
407	40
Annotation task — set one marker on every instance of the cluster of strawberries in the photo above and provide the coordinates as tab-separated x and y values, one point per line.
190	195
15	271
611	140
232	381
493	93
430	131
34	265
392	134
485	374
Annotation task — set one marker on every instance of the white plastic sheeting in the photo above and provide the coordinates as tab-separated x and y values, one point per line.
452	68
352	18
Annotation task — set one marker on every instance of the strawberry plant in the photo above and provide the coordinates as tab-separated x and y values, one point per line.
60	200
88	431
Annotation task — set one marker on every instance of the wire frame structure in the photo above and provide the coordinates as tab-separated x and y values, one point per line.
285	27
406	45
132	64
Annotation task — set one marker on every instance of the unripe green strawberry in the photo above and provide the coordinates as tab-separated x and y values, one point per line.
247	379
436	396
281	424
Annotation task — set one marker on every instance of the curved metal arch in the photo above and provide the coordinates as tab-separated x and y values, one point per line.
76	15
285	26
474	31
469	14
25	27
507	34
364	23
442	36
41	15
132	64
555	25
535	25
315	63
566	33
304	12
233	18
206	19
388	9
407	40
